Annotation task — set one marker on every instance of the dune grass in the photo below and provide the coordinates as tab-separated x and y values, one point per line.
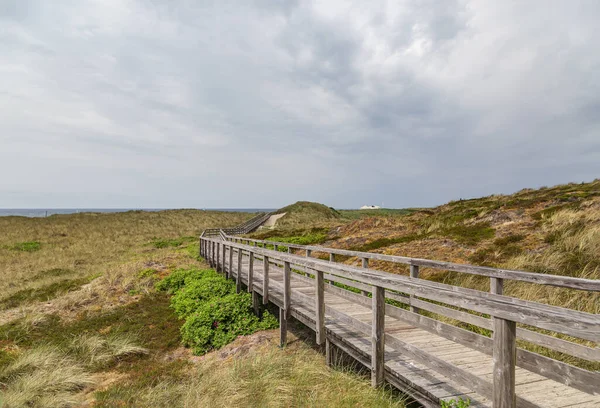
87	244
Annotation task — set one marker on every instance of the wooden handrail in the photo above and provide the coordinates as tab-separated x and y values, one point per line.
439	298
538	278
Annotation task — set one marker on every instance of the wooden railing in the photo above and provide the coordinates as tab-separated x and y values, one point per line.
428	305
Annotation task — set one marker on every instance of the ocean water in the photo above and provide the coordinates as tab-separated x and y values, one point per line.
46	212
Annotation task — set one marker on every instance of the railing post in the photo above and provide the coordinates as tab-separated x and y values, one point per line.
328	352
332	257
230	269
378	337
218	256
265	280
284	311
289	250
212	254
320	307
251	273
238	281
414	273
365	264
308	253
275	247
504	355
223	267
200	248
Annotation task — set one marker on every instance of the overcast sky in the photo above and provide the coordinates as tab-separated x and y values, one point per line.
185	103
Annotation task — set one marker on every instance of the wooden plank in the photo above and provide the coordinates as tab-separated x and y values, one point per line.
414	273
320	307
282	327
544	279
563	346
570	322
238	280
265	280
223	267
378	337
251	272
287	293
505	359
328	353
230	269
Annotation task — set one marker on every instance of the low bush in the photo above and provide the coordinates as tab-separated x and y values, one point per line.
177	279
219	321
190	296
214	314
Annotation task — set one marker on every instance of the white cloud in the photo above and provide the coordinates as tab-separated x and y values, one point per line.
138	103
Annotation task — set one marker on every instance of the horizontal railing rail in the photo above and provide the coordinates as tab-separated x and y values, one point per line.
498	273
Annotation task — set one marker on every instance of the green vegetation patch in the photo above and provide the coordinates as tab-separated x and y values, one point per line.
308	239
214	314
469	234
385	242
42	293
29	246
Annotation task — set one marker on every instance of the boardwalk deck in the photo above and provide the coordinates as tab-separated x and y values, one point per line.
348	315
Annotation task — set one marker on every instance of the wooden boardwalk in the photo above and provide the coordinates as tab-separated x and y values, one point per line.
422	356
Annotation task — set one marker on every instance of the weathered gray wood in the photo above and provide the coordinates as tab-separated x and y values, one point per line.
308	253
544	279
289	249
378	337
320	307
331	257
218	260
265	280
287	291
223	266
328	353
230	269
256	303
572	376
282	327
570	322
238	280
414	273
365	264
563	346
251	273
505	359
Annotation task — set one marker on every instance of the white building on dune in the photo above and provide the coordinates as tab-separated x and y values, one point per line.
370	207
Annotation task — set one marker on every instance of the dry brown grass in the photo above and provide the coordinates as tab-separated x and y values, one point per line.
88	245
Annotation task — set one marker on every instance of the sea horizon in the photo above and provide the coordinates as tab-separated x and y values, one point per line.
46	212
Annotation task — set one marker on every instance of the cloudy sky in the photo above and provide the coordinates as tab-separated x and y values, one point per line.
186	103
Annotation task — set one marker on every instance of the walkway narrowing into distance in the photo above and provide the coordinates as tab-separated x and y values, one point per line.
400	326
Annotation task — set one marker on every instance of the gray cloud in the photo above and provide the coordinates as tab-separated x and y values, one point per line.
142	103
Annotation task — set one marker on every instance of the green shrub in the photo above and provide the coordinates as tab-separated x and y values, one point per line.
220	320
470	234
214	314
177	279
187	299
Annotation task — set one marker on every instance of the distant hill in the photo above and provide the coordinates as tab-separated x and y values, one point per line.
306	213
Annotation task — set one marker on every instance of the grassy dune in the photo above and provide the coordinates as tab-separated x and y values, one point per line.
83	323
